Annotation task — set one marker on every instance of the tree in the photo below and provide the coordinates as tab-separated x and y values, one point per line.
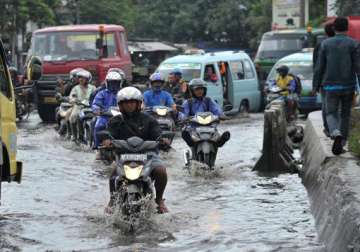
348	7
103	12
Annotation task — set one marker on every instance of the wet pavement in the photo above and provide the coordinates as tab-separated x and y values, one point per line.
59	205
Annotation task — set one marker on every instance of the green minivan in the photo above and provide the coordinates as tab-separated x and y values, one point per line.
231	77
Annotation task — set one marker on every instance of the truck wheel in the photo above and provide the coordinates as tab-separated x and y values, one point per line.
47	112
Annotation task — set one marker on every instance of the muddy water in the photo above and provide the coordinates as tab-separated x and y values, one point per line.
59	205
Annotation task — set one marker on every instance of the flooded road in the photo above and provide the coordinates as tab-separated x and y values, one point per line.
60	203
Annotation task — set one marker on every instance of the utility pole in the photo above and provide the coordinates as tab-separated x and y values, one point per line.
77	9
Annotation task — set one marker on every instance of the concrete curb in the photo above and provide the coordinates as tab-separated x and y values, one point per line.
333	185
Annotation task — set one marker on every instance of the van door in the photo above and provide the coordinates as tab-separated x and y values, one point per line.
244	88
211	75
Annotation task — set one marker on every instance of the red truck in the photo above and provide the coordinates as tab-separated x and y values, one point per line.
95	48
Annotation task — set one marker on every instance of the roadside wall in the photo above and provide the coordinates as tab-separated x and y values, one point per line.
333	186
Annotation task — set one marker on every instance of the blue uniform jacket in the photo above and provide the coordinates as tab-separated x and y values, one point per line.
201	105
154	98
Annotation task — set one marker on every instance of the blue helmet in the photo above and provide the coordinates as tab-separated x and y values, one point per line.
176	72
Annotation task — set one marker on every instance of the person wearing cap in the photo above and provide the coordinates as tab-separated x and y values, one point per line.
103	100
80	93
133	122
176	86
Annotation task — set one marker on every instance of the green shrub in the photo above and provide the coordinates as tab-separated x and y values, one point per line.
354	137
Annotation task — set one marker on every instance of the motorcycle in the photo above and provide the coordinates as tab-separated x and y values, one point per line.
87	123
275	93
22	101
132	180
62	116
164	117
106	154
205	136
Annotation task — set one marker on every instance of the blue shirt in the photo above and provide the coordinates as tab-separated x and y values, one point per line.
161	98
199	105
103	101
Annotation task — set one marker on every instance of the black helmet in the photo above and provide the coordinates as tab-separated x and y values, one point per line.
197	83
283	70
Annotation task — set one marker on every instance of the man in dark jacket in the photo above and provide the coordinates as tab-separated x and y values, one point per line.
131	123
329	31
336	72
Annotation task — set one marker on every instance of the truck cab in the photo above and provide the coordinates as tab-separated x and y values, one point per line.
10	169
95	48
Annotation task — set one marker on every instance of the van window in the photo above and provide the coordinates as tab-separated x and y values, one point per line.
210	73
124	43
237	70
5	87
111	45
249	73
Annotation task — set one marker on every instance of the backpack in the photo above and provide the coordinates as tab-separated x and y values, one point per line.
298	88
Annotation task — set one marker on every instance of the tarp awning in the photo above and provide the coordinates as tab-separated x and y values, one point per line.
149	47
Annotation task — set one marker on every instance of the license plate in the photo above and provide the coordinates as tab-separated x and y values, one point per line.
205	129
163	121
50	100
133	157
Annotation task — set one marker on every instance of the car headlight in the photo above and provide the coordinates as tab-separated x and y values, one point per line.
161	111
133	173
204	121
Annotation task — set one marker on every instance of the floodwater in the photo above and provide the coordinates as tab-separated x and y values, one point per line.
60	204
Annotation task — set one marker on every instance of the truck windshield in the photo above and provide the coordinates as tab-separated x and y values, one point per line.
65	46
278	47
189	70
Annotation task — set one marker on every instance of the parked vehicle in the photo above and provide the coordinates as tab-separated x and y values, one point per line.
95	48
10	168
277	44
301	65
230	75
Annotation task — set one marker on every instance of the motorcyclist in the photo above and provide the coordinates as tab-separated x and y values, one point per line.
157	96
105	99
103	86
288	86
176	86
74	80
80	93
133	122
200	103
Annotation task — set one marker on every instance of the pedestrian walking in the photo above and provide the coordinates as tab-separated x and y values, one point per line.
336	72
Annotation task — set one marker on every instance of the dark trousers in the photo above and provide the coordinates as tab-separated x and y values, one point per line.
338	110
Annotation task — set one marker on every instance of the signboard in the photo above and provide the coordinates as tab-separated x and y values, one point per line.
286	14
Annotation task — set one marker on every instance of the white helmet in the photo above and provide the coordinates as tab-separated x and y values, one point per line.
73	73
118	70
128	94
113	81
84	74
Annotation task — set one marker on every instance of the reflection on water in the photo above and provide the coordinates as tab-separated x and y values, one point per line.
59	205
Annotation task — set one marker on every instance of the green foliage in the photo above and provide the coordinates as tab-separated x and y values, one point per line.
348	7
354	138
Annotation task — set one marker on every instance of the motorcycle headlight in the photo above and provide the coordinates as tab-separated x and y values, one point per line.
195	138
161	111
204	120
133	173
